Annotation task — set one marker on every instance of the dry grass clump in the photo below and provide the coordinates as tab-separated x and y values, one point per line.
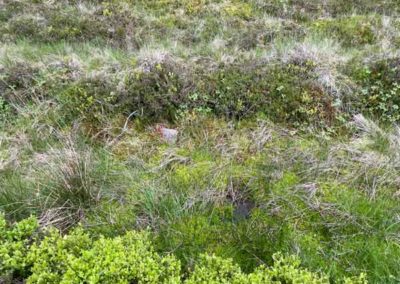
65	183
369	161
327	57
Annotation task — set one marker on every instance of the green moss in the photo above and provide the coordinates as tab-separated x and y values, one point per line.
199	176
286	182
350	31
192	235
239	9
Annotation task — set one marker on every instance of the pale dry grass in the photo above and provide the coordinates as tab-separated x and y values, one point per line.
370	160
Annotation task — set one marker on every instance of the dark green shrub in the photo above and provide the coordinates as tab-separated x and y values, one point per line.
255	34
284	92
27	25
380	89
296	97
122	27
18	83
233	92
90	99
68	25
155	91
306	10
10	8
5	110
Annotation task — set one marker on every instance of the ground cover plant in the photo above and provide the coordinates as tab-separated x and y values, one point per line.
285	164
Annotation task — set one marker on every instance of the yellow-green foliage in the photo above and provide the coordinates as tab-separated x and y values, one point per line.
216	270
79	258
124	259
48	258
14	245
213	270
354	30
238	9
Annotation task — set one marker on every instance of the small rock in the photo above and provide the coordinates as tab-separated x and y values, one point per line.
168	134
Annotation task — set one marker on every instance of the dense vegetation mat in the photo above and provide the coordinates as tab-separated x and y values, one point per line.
285	144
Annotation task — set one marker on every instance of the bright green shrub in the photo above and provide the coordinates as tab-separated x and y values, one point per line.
215	270
287	270
76	258
130	258
125	259
50	257
15	243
